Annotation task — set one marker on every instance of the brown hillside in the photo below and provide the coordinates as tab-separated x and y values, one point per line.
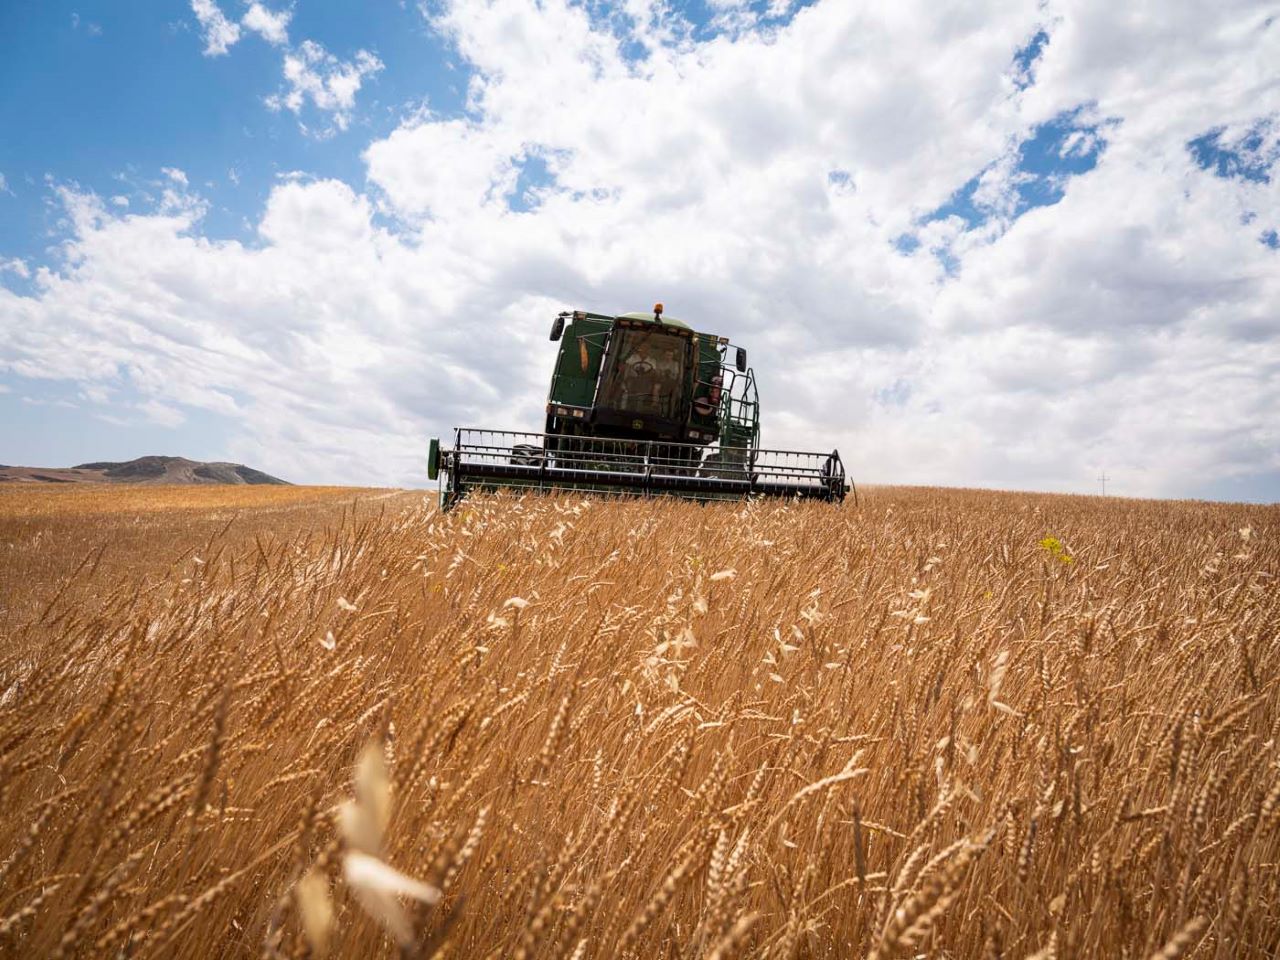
155	470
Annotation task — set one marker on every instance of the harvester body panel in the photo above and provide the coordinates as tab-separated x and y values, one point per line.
578	363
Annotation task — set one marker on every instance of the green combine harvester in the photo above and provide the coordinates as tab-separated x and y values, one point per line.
640	405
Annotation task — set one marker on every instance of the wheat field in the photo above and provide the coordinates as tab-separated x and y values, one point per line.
293	722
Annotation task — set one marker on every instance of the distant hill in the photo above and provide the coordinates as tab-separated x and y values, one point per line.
141	470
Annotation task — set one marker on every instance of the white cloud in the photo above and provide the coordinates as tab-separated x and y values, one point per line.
93	29
161	414
443	167
16	266
1079	143
177	176
4	185
756	182
271	25
219	33
313	75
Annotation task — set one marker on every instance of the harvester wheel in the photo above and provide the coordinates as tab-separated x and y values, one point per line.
726	467
527	455
677	459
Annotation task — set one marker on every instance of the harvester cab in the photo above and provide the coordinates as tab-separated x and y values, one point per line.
639	404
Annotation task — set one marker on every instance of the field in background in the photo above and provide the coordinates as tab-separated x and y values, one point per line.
944	723
114	503
136	533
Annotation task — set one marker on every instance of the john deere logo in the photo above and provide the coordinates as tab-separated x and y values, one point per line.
637	424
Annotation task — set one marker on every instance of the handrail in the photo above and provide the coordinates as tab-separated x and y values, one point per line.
489	458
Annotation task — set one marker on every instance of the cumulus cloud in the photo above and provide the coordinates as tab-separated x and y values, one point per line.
17	266
219	33
271	25
443	167
795	182
313	75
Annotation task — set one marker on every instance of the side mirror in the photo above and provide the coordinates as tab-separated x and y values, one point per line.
557	327
740	361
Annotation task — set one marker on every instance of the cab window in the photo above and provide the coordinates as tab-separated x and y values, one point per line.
647	375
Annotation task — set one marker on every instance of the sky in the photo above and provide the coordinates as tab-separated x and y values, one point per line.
1000	244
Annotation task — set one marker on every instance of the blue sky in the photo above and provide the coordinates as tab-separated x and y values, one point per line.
109	94
987	248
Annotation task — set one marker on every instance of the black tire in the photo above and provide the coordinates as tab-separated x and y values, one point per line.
527	455
717	465
677	459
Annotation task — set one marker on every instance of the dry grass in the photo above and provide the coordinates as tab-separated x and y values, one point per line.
113	501
953	724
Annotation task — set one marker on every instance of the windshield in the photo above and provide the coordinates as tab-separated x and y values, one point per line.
648	375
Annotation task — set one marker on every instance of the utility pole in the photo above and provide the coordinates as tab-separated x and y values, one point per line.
1103	480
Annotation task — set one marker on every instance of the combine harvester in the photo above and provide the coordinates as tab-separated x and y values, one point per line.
640	405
